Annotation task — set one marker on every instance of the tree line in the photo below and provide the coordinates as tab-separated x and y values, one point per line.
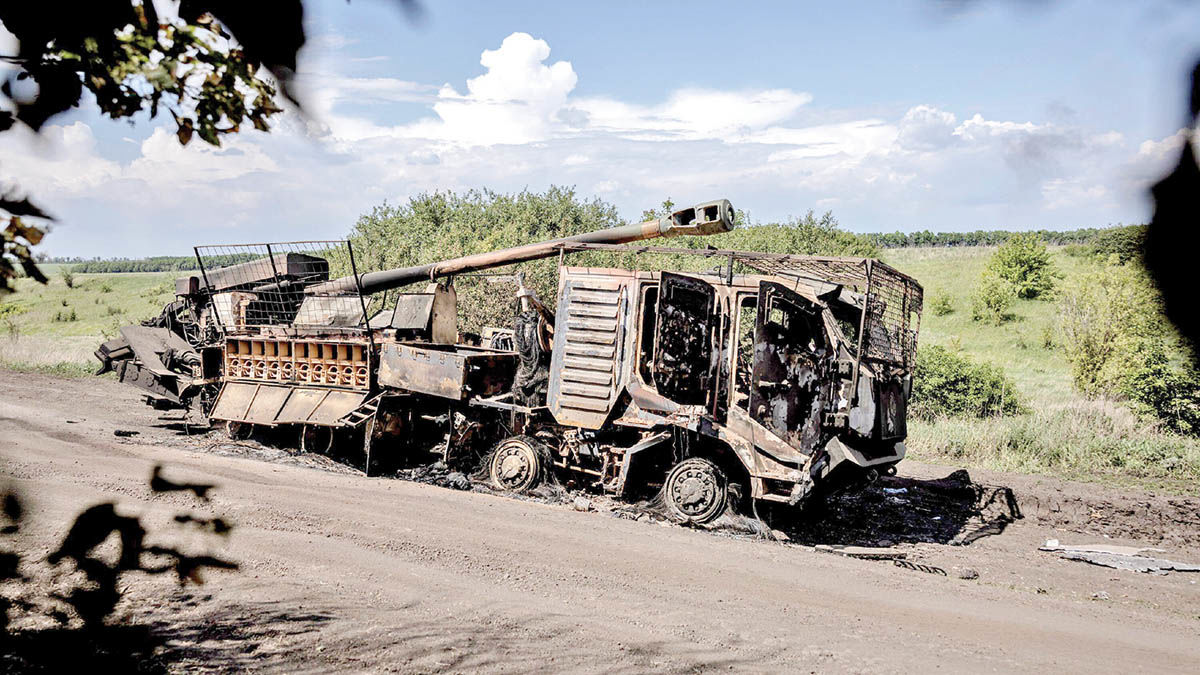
160	263
980	237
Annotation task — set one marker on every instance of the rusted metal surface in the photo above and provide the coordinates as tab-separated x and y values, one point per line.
585	357
456	373
770	377
271	405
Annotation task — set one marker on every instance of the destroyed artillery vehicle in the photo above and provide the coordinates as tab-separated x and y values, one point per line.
773	378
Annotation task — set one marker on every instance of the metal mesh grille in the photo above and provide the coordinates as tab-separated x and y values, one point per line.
893	299
893	316
259	285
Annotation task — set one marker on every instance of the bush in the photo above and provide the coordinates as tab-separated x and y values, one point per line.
1158	389
68	278
948	385
1024	262
65	317
1102	318
940	304
1119	345
437	226
992	299
1119	244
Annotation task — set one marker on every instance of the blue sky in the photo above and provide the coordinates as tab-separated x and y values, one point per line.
901	115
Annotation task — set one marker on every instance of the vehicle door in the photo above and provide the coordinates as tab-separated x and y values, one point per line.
684	350
791	365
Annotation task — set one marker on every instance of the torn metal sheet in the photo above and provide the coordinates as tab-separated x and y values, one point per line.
1119	557
863	552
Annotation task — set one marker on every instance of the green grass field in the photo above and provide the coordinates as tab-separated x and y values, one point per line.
1063	434
54	328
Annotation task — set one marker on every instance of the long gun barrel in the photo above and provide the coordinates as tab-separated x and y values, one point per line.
700	220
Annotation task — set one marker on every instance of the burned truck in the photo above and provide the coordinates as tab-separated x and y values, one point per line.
766	378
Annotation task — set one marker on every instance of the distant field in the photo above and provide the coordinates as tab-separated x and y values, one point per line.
1042	375
55	328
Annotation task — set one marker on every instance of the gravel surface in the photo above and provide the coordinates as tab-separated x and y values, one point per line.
347	573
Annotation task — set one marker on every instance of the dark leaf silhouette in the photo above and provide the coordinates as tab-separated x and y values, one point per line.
160	484
21	207
215	525
95	525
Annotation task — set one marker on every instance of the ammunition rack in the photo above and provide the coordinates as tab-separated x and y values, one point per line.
325	363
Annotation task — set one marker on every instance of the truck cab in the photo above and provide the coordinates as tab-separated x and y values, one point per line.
758	374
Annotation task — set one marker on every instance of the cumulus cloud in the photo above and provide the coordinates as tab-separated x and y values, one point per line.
924	127
515	101
517	123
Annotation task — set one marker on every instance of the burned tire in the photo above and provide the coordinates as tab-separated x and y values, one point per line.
696	490
237	431
516	464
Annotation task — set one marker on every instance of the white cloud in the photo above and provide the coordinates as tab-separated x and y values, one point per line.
61	160
925	127
518	124
1064	193
515	101
166	163
694	114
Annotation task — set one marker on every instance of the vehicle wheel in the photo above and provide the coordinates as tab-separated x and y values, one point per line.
516	464
696	490
238	431
315	438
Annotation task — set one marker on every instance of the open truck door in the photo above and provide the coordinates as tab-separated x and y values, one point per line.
791	360
684	361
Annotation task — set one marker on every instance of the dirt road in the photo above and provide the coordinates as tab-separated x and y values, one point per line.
341	572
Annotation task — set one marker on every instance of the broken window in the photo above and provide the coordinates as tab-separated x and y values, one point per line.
683	342
747	315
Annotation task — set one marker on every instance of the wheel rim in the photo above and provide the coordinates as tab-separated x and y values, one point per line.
514	466
696	490
315	438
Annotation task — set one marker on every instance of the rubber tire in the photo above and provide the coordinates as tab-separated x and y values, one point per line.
531	450
714	474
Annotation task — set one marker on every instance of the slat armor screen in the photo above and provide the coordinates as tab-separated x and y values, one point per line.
893	299
259	285
893	312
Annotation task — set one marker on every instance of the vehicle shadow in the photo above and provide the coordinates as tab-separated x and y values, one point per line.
951	510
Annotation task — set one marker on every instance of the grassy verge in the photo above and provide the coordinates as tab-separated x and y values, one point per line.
1097	441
